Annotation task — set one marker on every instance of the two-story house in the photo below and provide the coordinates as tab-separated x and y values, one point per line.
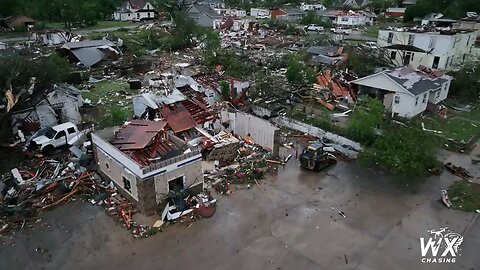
135	10
145	162
431	47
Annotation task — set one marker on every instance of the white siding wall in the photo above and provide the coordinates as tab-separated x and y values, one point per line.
351	20
407	107
262	131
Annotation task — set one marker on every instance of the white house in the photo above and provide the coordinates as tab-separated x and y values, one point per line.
55	37
306	7
438	48
212	3
135	10
234	12
406	91
260	13
350	18
356	3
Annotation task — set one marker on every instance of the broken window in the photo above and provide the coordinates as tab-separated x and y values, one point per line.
407	58
126	184
436	61
425	97
416	101
390	37
176	185
396	99
393	55
60	134
107	166
410	39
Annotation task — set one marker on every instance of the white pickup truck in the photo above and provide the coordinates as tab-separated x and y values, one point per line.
341	31
314	28
47	139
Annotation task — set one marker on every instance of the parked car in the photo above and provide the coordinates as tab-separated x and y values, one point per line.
49	138
371	45
314	27
341	31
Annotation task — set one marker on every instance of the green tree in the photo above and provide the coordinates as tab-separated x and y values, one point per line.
294	72
405	151
225	90
365	120
16	73
185	29
465	82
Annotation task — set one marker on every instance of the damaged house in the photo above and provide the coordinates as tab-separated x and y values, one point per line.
147	163
52	38
60	105
91	52
204	15
333	55
406	91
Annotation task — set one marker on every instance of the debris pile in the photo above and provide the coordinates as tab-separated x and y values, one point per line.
250	166
458	171
26	192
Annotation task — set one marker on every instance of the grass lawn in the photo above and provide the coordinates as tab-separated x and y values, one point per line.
112	102
372	31
465	195
453	128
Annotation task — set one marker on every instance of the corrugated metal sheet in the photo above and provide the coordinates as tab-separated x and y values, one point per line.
137	134
177	117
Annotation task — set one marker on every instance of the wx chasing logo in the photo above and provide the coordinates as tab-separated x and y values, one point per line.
443	246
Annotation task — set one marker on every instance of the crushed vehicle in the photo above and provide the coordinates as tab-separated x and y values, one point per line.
315	158
49	138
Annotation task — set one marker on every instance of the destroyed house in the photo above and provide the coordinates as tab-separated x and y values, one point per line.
147	163
60	105
91	52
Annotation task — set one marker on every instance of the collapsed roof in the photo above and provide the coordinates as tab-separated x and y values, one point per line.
91	52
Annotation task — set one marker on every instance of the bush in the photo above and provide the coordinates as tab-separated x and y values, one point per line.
404	151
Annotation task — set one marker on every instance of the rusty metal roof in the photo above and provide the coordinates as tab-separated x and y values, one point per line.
177	117
137	134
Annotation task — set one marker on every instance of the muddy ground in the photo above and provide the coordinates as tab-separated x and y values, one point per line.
291	223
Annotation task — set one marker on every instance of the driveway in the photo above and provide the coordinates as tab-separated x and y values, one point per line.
292	222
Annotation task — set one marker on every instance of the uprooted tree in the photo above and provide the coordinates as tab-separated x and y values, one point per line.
16	73
407	152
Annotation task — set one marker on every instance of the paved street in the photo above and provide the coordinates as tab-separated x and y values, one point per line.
292	223
80	32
